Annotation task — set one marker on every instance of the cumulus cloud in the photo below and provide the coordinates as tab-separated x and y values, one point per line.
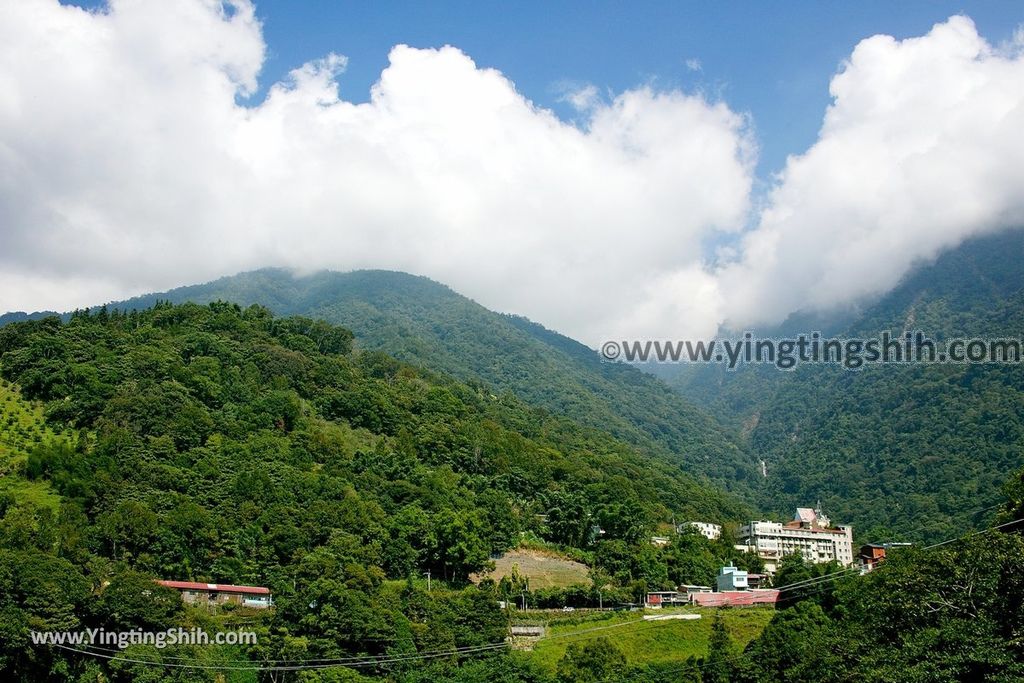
130	160
922	147
134	157
582	98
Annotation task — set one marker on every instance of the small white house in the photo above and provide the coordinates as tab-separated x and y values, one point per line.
732	579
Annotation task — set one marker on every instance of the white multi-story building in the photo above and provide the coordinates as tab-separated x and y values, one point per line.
810	533
707	529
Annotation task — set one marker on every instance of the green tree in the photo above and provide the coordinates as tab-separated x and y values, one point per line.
790	647
134	601
597	660
717	666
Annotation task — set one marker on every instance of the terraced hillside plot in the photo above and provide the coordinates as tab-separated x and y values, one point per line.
544	569
21	429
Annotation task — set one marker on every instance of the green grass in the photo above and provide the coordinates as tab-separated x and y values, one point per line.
22	428
651	642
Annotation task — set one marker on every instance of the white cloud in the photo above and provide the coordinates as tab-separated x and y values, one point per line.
583	98
127	163
922	148
693	64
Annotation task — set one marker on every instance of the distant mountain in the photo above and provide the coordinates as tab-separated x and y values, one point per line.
425	323
20	316
908	452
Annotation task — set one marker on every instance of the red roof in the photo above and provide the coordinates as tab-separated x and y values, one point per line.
215	587
797	525
738	598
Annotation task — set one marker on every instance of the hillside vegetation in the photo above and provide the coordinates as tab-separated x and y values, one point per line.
422	322
22	429
660	644
911	452
953	613
227	445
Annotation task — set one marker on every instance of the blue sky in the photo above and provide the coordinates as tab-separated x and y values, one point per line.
771	59
133	162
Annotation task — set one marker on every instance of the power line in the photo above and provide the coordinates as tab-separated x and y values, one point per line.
356	661
831	576
297	665
975	533
934	545
819	587
327	660
838	574
294	667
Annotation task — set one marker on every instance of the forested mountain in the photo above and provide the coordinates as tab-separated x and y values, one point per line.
906	452
909	452
425	323
953	613
20	316
221	444
226	444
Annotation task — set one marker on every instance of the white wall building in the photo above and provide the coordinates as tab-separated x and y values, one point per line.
707	529
731	579
810	533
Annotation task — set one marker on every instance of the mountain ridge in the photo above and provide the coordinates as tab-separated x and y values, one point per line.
427	323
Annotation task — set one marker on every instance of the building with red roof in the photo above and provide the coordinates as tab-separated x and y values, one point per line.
216	594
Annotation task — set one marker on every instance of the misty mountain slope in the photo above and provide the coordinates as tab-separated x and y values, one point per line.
973	290
909	452
425	323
